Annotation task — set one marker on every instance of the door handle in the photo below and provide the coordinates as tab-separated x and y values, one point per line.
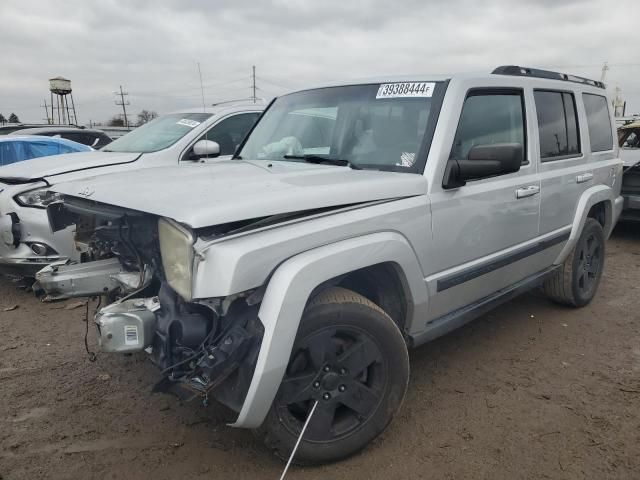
529	191
584	177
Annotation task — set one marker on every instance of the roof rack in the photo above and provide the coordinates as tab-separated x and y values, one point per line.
537	73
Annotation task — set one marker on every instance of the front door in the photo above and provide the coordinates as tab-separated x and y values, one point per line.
484	231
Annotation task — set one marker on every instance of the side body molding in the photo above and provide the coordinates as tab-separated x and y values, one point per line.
287	294
591	196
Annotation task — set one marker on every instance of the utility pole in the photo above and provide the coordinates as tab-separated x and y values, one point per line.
204	108
46	112
123	104
254	84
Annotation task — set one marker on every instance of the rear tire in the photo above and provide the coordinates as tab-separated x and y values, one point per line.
350	356
576	281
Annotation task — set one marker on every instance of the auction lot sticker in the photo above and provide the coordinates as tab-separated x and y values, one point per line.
188	123
405	90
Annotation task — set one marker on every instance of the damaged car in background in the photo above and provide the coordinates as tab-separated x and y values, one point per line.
355	221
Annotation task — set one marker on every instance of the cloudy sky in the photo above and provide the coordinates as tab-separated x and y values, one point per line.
152	48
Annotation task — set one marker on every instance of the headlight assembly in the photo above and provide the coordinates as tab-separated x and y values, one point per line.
176	250
38	198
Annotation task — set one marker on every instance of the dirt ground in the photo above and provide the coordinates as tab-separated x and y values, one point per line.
530	391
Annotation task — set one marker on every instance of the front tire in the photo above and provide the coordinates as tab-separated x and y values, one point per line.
350	356
576	281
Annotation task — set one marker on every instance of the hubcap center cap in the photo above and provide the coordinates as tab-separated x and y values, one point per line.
330	381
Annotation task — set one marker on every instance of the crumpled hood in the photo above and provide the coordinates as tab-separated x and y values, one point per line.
202	195
44	167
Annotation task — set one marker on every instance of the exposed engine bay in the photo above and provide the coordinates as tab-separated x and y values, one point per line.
209	346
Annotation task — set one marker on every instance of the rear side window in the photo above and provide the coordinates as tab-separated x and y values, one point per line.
42	149
489	118
557	124
631	141
599	122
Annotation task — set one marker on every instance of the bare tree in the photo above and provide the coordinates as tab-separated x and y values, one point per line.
2	119
145	116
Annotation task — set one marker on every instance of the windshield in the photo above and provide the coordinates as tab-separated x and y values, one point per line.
158	134
377	126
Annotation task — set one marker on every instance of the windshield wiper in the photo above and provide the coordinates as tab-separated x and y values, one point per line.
320	159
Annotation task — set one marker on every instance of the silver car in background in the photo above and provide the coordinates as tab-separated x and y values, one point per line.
184	137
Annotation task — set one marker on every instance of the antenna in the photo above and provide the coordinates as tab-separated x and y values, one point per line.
254	84
123	104
201	88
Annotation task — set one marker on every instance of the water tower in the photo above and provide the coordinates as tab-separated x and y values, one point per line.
61	88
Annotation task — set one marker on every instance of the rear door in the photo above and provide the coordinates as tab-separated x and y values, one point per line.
483	231
564	170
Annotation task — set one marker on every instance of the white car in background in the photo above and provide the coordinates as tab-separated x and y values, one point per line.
184	138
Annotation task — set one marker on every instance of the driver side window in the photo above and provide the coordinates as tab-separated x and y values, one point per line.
230	132
489	118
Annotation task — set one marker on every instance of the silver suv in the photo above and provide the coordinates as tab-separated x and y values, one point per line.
356	221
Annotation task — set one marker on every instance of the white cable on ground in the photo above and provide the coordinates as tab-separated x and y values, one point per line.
295	448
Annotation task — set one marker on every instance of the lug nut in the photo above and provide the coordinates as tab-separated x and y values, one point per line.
326	368
342	388
316	384
343	371
327	396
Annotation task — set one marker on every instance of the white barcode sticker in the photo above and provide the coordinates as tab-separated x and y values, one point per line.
405	90
130	335
188	123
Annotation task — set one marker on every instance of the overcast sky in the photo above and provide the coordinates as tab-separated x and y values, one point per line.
151	48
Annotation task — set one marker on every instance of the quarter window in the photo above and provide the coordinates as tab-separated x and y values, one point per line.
557	124
599	122
489	118
631	141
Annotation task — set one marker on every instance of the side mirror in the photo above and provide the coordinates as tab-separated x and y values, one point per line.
484	161
205	148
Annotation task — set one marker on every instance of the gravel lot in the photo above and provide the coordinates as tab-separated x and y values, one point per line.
531	390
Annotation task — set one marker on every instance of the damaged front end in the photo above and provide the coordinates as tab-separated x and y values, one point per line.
141	266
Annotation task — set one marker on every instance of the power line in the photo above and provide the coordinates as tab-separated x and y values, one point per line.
275	84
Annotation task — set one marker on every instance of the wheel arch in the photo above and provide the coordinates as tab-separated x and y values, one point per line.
385	284
296	280
595	202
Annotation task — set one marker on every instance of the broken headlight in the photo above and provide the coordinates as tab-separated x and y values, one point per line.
176	249
38	198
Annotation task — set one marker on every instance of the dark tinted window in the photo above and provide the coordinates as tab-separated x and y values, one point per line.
557	124
230	132
599	122
489	118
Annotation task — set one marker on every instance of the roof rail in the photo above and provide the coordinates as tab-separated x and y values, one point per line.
537	73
